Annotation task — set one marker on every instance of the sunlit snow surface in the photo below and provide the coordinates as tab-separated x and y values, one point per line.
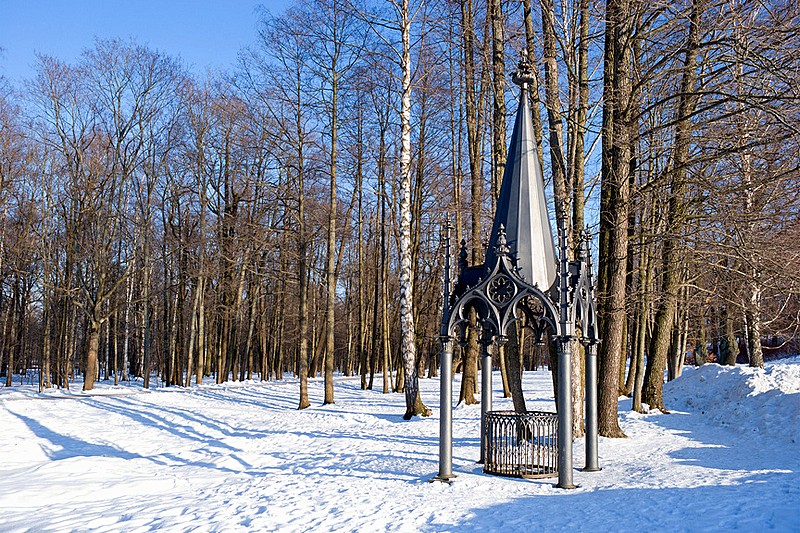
239	457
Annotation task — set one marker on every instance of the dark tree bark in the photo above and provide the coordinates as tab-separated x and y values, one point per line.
652	393
469	381
614	212
498	97
513	353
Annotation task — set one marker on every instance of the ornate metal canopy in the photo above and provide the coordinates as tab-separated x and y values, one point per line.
502	296
521	279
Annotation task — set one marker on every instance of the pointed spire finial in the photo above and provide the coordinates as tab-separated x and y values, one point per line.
587	242
583	245
521	205
524	74
502	244
463	263
446	245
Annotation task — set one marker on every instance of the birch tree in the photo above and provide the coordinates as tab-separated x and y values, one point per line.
414	405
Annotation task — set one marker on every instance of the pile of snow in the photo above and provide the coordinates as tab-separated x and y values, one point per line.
747	400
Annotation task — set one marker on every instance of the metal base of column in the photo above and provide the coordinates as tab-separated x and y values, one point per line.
591	469
443	479
557	486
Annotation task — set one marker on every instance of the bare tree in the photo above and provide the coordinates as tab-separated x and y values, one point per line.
614	210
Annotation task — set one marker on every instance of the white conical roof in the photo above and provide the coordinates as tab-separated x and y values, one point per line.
522	208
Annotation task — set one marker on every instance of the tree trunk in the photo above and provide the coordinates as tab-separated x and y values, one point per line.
106	350
469	380
563	189
643	319
384	297
10	351
303	353
501	356
362	308
376	311
414	405
202	358
754	349
115	343
700	349
533	93
91	355
146	324
126	328
578	157
676	217
614	212
45	371
192	337
473	133
513	354
730	347
330	267
499	98
469	372
678	350
247	372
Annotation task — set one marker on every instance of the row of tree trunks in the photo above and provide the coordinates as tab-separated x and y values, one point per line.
171	227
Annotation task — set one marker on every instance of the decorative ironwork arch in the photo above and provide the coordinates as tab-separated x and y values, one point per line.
500	298
584	309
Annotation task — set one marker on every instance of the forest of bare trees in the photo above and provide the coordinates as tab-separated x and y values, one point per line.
283	216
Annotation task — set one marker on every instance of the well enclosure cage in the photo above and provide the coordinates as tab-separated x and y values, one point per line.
523	445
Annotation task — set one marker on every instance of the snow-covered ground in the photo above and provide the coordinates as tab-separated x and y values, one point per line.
239	457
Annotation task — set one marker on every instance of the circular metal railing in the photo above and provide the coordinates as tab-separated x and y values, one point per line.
521	444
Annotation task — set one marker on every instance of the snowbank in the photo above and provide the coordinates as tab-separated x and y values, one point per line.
746	400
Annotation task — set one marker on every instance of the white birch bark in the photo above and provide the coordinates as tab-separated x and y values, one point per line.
414	404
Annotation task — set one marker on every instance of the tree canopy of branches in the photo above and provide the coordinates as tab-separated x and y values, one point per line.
283	216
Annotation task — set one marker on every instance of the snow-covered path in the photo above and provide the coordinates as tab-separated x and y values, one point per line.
238	457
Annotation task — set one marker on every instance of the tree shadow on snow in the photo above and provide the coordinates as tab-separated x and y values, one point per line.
148	418
67	447
345	450
747	506
721	448
760	491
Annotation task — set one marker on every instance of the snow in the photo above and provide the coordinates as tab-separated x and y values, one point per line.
239	457
754	402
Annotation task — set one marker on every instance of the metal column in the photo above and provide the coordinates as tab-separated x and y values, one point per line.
486	391
446	413
446	372
591	409
564	415
564	403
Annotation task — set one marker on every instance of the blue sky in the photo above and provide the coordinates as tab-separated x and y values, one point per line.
204	33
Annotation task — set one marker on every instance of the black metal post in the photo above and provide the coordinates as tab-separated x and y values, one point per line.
591	409
564	366
590	331
486	391
446	372
446	413
564	415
